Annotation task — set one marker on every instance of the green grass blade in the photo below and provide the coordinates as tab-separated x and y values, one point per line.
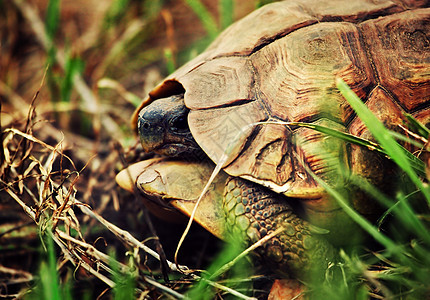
124	282
204	289
72	67
342	135
115	12
383	136
170	62
415	162
403	138
401	208
52	19
420	128
205	17
389	244
49	281
152	8
226	12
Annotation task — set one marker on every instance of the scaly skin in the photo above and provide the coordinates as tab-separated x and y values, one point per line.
235	208
253	212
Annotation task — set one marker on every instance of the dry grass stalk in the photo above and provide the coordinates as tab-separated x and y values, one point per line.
37	181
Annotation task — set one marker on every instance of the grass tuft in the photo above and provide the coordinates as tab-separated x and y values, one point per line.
401	268
125	282
396	152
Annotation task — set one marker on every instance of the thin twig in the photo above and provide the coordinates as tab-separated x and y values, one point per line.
15	273
82	263
229	290
91	250
164	288
24	206
126	236
36	140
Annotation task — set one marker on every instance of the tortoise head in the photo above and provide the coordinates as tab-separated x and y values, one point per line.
163	127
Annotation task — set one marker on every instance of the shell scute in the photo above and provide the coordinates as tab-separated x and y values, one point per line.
296	70
221	82
225	131
399	47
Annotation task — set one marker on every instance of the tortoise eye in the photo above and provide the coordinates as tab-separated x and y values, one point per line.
179	124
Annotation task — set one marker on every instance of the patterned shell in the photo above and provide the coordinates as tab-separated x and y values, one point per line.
280	63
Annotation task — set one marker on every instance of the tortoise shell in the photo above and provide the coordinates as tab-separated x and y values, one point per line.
280	63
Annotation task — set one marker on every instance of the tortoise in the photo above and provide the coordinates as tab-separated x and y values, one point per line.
231	106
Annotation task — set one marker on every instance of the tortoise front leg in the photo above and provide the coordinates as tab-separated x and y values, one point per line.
253	212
